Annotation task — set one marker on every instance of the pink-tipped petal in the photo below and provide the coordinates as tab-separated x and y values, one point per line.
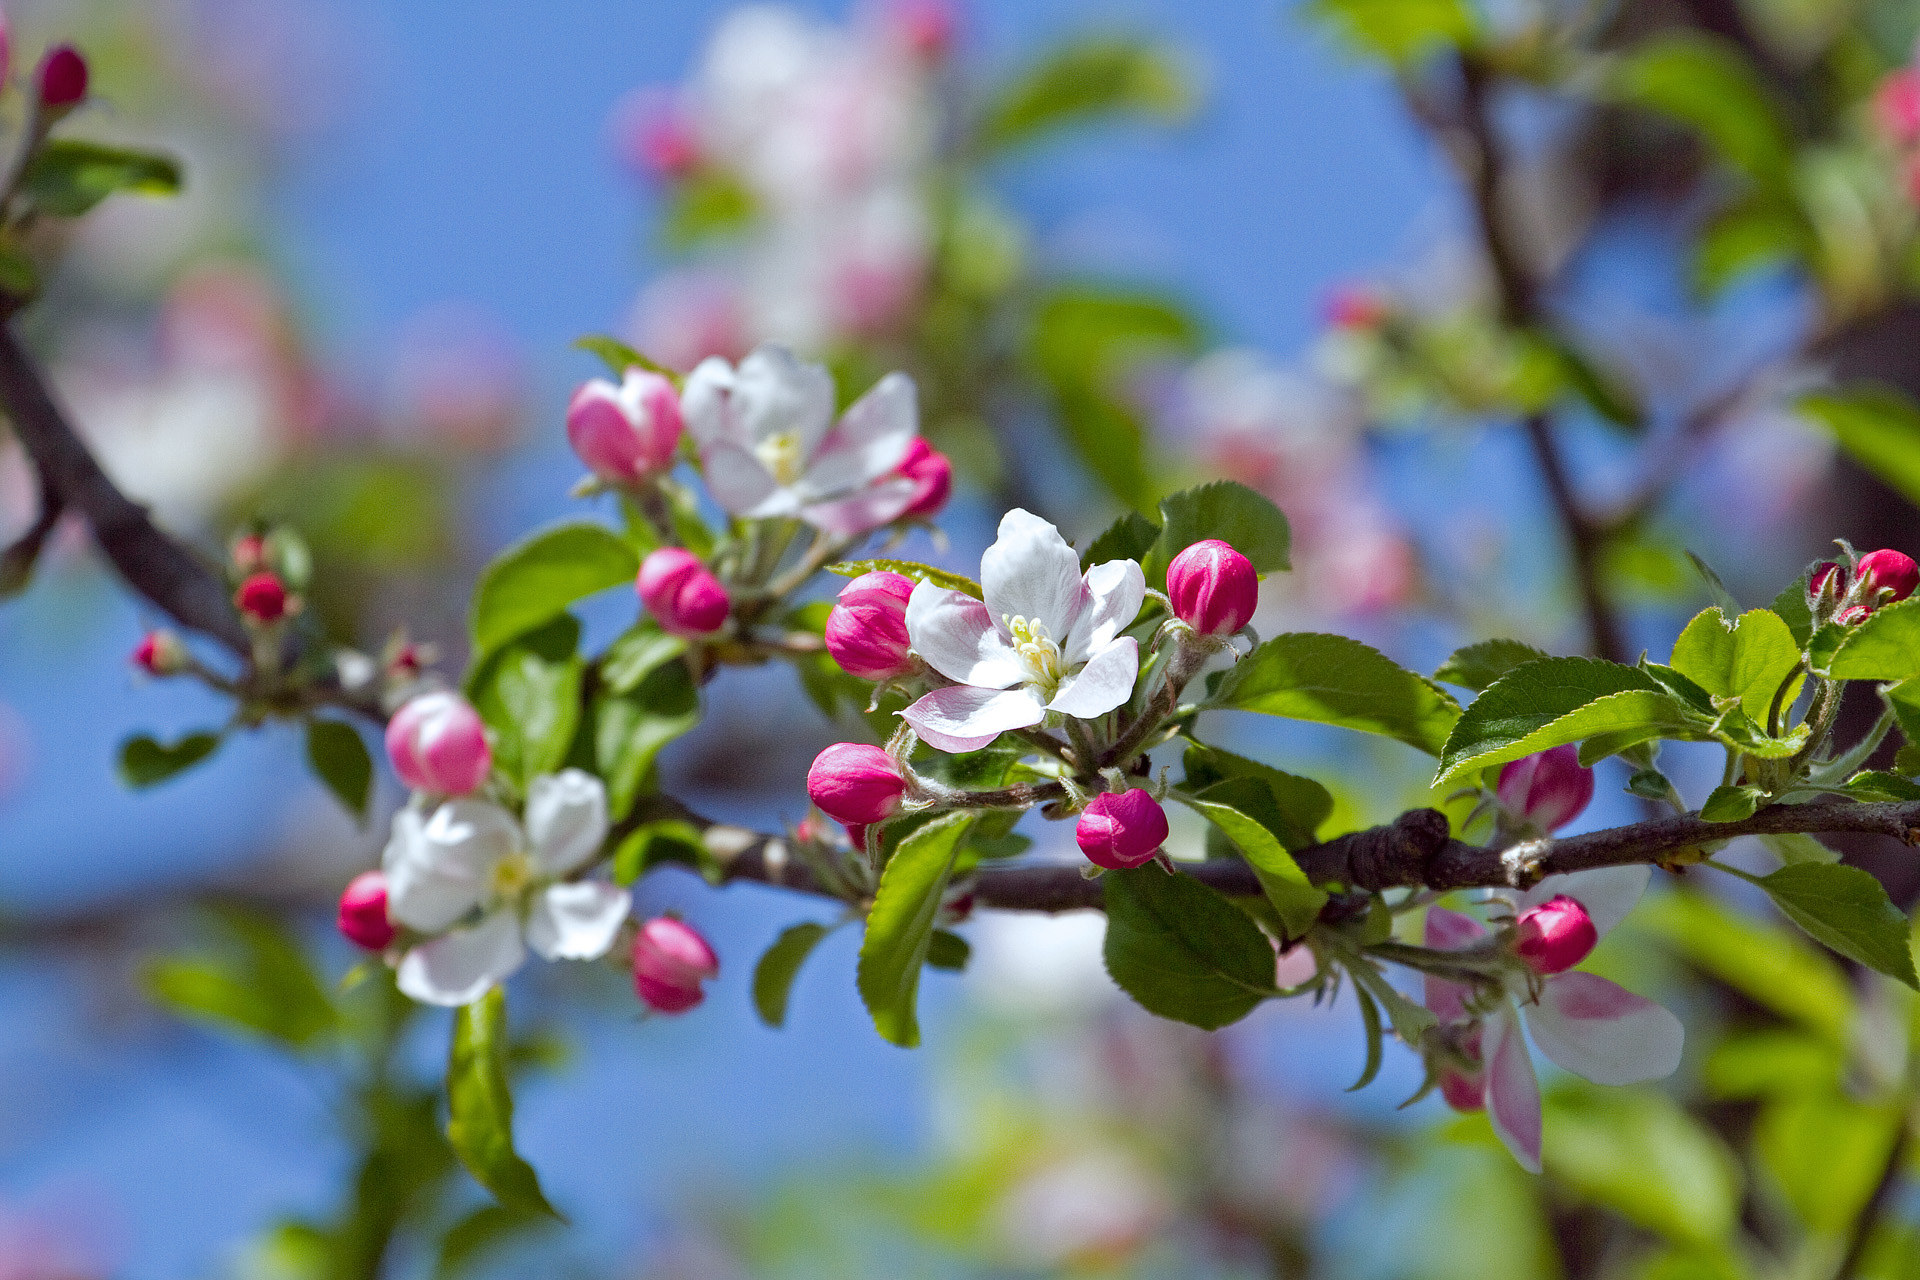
1512	1092
1603	1032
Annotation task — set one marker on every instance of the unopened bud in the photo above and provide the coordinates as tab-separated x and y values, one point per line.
363	912
61	80
670	961
867	631
1886	576
932	476
1213	588
1548	790
249	553
681	593
627	432
438	744
1121	829
262	597
856	783
1896	107
1554	936
1823	573
160	653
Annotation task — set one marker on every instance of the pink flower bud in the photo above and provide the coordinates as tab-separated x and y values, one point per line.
62	79
925	27
1887	576
1356	307
1547	790
438	744
1121	829
1213	588
363	912
856	783
160	653
626	432
856	834
670	961
262	597
867	631
681	593
1463	1091
1853	615
249	553
1817	580
932	476
1554	936
1896	107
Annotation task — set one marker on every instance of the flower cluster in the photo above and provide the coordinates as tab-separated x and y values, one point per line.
1848	592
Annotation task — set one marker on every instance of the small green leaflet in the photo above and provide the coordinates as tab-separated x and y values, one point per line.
909	568
773	976
1707	83
258	979
1334	680
339	756
1247	812
1845	908
1305	802
900	926
630	729
1479	665
529	695
1732	804
480	1103
69	177
1884	647
535	580
1225	510
619	357
637	654
1183	951
145	761
1087	79
1750	659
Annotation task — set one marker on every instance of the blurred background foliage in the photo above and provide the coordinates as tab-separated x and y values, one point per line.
1664	300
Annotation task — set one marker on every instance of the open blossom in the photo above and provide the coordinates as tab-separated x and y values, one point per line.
465	855
1046	638
1582	1022
770	447
626	432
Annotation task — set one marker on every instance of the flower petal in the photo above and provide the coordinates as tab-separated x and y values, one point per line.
577	921
438	866
1600	1030
863	511
1607	893
566	820
1103	684
465	964
1512	1093
1031	572
1116	590
1449	931
961	718
776	393
956	635
869	442
738	481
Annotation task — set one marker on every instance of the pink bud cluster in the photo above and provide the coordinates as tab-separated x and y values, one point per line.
681	593
1213	588
1121	829
626	433
438	744
1546	791
670	961
1878	578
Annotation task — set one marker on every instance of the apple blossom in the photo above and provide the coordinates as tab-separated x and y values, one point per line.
770	448
1047	638
932	476
61	81
856	783
1546	790
867	630
1896	106
670	961
681	593
363	912
464	855
1213	588
628	432
262	597
438	744
1121	828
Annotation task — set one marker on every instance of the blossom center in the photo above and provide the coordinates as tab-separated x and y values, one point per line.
1037	650
782	454
511	875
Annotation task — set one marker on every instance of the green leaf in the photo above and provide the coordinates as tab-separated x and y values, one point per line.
1794	848
1370	1022
630	729
1305	804
1557	700
529	695
1708	84
145	761
667	840
1229	511
67	177
257	979
1732	804
1130	537
1479	665
1884	647
1791	605
619	357
1411	1021
1249	814
773	976
1747	236
1754	1064
900	926
339	756
1749	660
912	569
1183	951
1772	966
480	1235
948	951
534	581
1879	426
480	1103
1401	32
1825	1152
1638	1153
637	654
1845	908
1090	79
1334	680
1716	589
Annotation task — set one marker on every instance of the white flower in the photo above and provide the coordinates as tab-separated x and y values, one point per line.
1582	1022
1046	639
769	445
471	853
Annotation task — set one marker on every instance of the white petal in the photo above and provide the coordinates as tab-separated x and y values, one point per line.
965	719
1103	684
463	965
1608	893
870	440
863	511
576	921
775	392
438	867
1512	1093
738	480
566	820
1031	572
706	405
1117	590
956	635
1602	1031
